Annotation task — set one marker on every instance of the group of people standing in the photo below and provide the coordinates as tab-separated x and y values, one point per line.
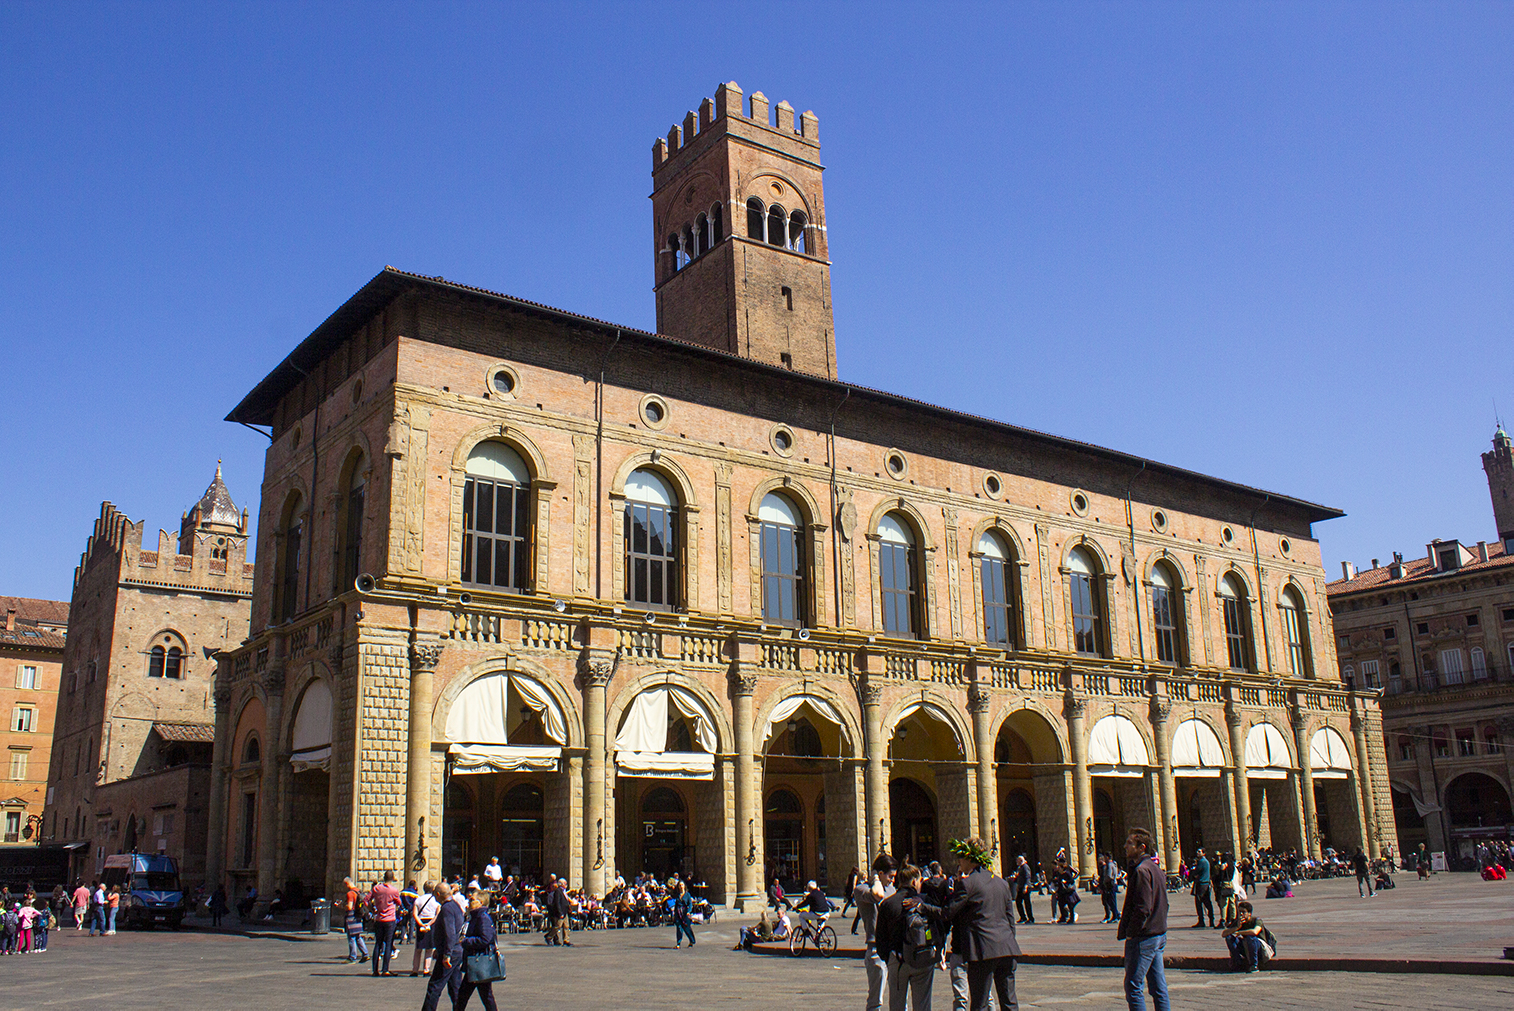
916	924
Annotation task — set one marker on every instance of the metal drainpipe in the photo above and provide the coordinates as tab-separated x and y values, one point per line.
315	470
1261	601
599	471
1135	580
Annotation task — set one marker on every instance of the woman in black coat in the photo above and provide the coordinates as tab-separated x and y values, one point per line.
479	938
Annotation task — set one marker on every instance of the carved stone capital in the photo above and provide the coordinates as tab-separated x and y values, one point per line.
272	679
1358	720
335	649
596	665
425	656
978	699
1298	719
1233	715
222	694
1074	706
1161	708
743	682
870	693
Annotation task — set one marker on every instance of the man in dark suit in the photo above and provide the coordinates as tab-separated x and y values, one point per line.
983	906
1022	890
559	906
447	944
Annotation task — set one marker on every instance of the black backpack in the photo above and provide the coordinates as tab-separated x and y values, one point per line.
919	939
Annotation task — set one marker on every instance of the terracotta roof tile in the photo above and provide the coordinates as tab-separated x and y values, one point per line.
1416	570
193	733
29	609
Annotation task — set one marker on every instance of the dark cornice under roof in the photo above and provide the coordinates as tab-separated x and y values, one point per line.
258	405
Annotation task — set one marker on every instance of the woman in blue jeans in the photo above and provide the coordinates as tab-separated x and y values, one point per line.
683	920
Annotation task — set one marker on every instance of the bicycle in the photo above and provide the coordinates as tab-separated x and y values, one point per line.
816	932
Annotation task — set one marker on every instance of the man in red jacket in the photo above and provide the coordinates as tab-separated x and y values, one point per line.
1143	924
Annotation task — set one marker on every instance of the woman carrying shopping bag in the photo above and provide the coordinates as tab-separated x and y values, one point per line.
482	962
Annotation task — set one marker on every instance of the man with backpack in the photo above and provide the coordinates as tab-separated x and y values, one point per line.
982	919
1251	944
906	941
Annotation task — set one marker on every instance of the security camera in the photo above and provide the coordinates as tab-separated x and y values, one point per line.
364	583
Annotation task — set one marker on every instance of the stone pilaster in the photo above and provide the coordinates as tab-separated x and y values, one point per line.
215	853
423	660
269	800
1074	708
749	891
978	703
1306	784
1167	791
1363	776
596	666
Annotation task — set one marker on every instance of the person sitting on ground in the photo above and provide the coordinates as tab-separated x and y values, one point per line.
782	927
248	901
762	930
1251	945
1281	888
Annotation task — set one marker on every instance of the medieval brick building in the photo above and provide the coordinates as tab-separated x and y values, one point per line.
591	599
132	743
1436	634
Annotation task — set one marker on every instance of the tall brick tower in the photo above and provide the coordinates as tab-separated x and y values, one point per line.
1499	465
738	218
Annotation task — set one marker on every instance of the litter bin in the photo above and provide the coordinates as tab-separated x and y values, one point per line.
320	916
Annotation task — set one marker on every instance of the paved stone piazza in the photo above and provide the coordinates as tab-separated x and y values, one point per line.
1453	916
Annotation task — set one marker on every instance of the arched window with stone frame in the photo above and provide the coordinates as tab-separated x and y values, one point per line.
782	557
1085	592
777	226
288	557
1235	612
497	519
351	505
997	577
1167	614
797	225
756	220
652	541
899	571
1296	632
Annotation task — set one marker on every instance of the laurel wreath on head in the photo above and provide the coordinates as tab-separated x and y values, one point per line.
963	848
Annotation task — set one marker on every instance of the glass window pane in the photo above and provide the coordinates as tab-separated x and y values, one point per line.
502	561
483	569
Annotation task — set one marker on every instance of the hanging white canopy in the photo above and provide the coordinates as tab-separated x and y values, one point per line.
311	745
486	712
642	745
933	710
1196	751
498	462
1116	748
1328	756
1267	753
791	705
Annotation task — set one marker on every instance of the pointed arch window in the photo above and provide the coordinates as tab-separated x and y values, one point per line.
1166	612
898	575
1295	634
1083	592
496	519
782	551
1237	614
651	536
995	571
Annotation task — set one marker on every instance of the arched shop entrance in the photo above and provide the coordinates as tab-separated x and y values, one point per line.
1477	807
1334	792
1122	796
504	776
309	796
1270	772
806	772
783	829
1031	790
928	776
1198	761
665	759
914	837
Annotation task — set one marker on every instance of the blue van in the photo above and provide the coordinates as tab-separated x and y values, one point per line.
150	891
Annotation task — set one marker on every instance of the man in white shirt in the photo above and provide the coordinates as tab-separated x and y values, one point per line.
868	897
494	874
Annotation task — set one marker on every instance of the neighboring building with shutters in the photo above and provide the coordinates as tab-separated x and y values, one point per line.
589	599
32	636
1435	635
132	744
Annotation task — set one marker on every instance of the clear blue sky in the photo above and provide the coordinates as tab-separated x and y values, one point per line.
1274	243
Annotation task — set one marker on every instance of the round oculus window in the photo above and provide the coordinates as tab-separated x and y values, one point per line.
1285	545
895	463
654	411
782	440
1079	502
1159	521
1227	535
502	382
993	485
